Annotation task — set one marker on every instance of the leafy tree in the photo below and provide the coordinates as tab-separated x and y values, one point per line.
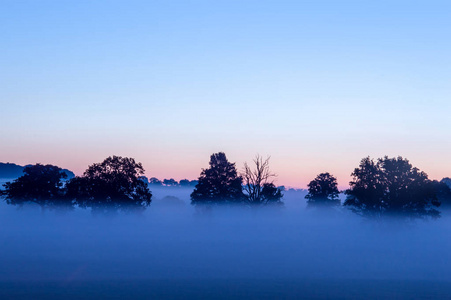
323	191
367	188
116	182
41	184
184	183
188	183
271	194
155	181
258	185
443	192
219	183
391	186
446	181
144	179
170	182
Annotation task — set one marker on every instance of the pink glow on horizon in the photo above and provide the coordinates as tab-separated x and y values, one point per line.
295	173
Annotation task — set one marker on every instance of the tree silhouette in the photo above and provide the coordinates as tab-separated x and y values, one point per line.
446	181
170	182
41	184
271	194
187	183
219	183
144	179
323	191
443	192
391	186
258	185
155	181
116	182
184	182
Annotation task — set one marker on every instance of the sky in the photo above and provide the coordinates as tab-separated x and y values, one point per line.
317	85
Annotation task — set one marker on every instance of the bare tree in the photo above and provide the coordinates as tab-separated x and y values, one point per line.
258	183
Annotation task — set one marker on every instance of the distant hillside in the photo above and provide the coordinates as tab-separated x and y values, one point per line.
12	171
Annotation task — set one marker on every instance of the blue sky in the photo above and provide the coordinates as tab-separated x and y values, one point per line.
315	84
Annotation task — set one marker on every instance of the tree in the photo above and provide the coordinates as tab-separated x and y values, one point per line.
170	182
116	182
184	183
155	181
367	188
41	184
391	186
258	184
446	181
271	194
323	190
188	183
144	179
219	183
443	192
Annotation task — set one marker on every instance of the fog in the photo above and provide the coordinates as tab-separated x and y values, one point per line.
173	241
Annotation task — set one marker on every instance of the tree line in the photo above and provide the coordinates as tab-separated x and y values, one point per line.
155	182
382	187
114	183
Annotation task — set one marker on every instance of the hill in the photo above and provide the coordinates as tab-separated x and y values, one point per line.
13	171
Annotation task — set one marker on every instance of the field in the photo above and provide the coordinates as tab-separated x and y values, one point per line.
175	250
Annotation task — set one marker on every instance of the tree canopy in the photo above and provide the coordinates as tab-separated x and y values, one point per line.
271	194
258	183
219	183
391	186
446	181
170	182
323	190
115	181
443	192
41	184
155	181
